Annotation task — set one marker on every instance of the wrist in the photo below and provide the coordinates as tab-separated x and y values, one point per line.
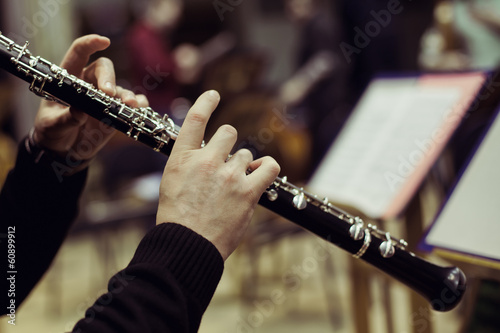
62	164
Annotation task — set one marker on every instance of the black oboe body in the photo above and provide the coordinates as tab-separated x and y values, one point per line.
443	287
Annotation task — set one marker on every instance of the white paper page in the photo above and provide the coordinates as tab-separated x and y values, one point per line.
470	220
385	139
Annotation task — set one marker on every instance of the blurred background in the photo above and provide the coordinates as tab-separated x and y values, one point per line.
289	72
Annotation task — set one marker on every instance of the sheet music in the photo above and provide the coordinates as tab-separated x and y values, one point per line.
470	220
393	137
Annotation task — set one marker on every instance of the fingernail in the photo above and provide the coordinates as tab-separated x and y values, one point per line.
214	93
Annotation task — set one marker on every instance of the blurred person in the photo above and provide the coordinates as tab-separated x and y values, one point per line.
317	91
158	69
205	205
479	23
465	35
390	47
443	46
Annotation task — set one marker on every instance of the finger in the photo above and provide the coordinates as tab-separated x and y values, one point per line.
193	130
241	159
264	172
222	142
127	96
80	51
142	100
59	119
102	73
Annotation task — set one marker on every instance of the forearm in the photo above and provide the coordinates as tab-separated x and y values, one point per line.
40	207
166	287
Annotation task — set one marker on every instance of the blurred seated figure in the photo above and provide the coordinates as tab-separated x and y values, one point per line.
159	70
465	36
443	47
317	91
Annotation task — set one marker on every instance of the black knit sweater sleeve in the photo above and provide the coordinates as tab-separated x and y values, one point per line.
37	208
166	287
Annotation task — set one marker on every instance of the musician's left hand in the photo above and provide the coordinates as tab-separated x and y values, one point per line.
68	132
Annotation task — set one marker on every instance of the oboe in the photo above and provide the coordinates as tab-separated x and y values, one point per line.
443	287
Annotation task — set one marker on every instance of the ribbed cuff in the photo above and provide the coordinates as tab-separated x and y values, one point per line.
190	258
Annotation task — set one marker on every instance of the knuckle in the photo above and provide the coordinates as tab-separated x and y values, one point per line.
246	154
197	118
274	167
142	100
78	45
207	167
228	129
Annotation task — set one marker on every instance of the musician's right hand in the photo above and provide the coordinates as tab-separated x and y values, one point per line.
71	134
204	190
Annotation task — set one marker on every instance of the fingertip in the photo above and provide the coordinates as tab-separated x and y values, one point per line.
276	167
214	94
109	88
269	163
273	165
91	42
131	100
142	100
102	40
